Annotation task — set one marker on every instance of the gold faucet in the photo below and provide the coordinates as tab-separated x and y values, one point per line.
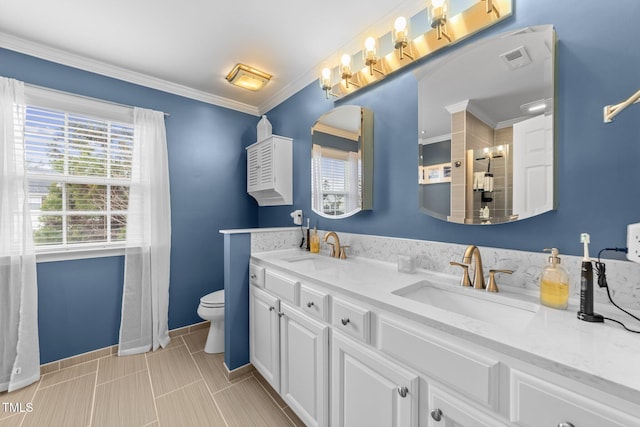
478	274
335	247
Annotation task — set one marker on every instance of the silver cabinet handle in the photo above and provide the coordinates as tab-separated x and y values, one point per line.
403	391
271	308
254	276
280	314
310	304
566	424
436	414
345	321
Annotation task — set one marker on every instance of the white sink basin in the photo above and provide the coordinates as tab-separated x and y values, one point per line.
311	262
492	308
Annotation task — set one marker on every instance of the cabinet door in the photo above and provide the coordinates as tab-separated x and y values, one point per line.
369	390
446	410
304	353
264	335
260	172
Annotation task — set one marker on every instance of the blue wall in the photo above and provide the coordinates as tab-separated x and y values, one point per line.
598	173
80	301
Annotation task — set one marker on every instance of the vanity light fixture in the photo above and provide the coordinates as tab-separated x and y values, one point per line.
491	8
401	36
379	59
248	77
438	15
345	70
369	54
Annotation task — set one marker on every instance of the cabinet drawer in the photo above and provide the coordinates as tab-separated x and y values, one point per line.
284	287
535	402
470	373
256	275
351	319
446	409
314	303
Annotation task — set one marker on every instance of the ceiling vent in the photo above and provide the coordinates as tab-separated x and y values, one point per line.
516	58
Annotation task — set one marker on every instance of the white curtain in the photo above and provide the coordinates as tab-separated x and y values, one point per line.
353	172
316	168
145	299
20	352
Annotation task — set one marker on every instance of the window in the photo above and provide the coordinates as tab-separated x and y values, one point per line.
339	181
79	171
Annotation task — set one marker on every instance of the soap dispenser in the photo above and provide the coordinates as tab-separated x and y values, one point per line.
315	242
554	283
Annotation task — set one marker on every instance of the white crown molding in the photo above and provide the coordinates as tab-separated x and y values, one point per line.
288	91
76	61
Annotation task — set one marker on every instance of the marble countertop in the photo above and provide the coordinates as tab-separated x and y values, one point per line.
604	356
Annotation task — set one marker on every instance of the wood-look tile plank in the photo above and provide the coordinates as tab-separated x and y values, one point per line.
114	367
212	369
247	404
171	369
274	394
67	374
86	357
12	421
127	401
196	340
293	417
189	406
21	396
66	404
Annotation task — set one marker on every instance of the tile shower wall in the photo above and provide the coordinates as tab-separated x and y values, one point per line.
622	276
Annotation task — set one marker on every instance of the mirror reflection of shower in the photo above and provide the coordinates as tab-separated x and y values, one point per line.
491	199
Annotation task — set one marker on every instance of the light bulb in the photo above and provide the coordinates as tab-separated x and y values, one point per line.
346	60
370	43
437	3
500	147
400	24
326	74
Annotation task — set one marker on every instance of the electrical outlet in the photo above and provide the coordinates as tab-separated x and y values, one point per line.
633	242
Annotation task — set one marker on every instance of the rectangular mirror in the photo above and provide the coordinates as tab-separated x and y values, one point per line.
342	162
486	136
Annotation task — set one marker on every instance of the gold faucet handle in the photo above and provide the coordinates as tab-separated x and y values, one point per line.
343	253
493	286
333	249
466	281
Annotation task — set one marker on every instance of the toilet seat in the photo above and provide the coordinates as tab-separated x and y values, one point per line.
213	300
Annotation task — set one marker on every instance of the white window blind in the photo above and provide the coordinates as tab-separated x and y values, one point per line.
79	171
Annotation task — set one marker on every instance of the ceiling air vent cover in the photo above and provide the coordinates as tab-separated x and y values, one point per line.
516	58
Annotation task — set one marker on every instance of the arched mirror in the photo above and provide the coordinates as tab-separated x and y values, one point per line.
342	162
486	136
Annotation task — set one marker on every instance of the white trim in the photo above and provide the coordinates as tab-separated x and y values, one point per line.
48	255
76	61
257	230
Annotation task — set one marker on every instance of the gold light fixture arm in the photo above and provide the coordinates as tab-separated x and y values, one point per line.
492	8
610	111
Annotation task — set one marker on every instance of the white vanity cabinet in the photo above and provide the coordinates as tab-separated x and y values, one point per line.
368	389
291	351
536	402
270	171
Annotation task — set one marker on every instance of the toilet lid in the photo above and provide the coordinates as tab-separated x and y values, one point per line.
214	299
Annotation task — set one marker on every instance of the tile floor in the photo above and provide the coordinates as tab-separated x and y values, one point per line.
179	386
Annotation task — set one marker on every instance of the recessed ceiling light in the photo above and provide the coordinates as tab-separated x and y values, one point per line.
248	77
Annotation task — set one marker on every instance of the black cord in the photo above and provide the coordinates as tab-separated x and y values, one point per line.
302	241
623	325
602	282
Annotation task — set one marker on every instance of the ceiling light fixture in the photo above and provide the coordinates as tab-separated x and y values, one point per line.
438	14
248	77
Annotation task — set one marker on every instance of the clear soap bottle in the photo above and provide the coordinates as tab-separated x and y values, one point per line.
554	283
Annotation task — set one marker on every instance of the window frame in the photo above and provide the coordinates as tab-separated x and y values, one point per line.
90	108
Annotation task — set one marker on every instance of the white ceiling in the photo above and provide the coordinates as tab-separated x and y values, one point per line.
188	47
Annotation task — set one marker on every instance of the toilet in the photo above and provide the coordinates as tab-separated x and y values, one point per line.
212	308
